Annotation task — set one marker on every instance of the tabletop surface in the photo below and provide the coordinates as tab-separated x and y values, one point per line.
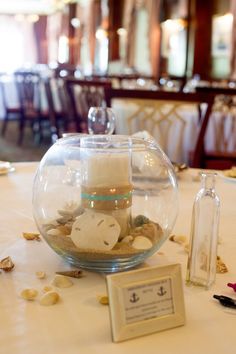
78	323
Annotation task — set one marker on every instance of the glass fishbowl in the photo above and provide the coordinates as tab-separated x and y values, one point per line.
105	202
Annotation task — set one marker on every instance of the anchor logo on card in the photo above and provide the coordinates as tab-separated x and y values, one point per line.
161	291
134	298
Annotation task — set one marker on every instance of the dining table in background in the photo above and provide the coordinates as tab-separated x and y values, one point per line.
178	135
78	323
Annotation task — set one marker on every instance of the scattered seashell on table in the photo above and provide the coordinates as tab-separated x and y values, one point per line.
49	298
40	275
181	239
6	264
71	273
61	281
30	236
29	294
47	288
103	299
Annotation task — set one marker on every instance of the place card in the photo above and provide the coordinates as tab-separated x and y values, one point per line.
145	301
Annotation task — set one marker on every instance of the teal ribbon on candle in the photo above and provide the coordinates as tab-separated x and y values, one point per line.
106	197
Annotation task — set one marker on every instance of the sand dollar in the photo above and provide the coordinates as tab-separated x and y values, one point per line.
95	230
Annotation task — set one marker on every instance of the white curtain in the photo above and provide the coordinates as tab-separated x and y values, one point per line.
54	27
17	43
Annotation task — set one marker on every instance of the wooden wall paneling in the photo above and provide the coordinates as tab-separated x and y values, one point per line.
72	34
115	22
40	31
202	23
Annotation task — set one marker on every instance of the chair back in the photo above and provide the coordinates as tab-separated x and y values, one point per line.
28	87
59	110
8	91
170	117
84	94
220	135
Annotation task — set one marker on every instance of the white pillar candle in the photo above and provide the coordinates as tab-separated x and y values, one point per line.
106	170
106	185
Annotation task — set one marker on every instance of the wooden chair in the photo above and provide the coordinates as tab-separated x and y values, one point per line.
60	113
84	94
164	116
29	92
222	127
11	112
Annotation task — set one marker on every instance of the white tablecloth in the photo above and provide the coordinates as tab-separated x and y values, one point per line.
176	129
78	323
177	133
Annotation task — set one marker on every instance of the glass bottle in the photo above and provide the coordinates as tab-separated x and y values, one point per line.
201	267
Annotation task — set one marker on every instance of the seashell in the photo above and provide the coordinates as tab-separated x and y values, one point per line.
61	281
220	266
5	167
103	299
47	288
31	236
49	298
29	294
50	226
95	230
141	243
64	219
181	239
71	205
72	273
65	230
78	211
55	232
6	264
150	230
140	220
71	212
40	275
69	224
127	239
65	213
137	231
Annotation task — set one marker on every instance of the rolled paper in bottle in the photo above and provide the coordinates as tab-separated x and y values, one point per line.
106	185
